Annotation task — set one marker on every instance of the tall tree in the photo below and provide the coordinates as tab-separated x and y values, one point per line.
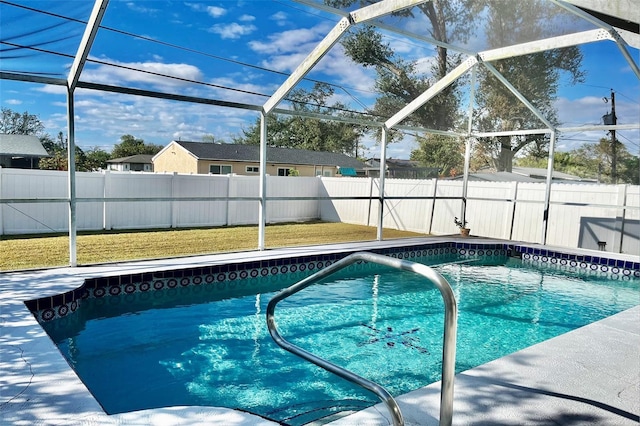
209	138
535	76
12	122
399	81
596	160
592	161
303	132
96	159
129	145
443	152
92	160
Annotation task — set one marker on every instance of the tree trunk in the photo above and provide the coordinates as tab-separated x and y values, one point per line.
504	161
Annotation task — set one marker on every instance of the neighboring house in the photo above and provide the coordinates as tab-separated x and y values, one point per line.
21	151
401	169
133	163
524	174
541	174
222	159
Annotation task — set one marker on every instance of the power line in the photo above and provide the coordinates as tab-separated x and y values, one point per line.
612	89
186	49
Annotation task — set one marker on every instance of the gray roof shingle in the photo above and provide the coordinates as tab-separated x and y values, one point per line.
251	153
138	159
21	145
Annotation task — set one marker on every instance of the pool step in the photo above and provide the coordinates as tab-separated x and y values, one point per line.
318	412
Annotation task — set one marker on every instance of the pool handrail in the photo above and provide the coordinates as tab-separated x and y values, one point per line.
450	330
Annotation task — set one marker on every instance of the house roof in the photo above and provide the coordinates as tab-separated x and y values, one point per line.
395	163
251	153
137	159
522	174
542	173
21	145
497	177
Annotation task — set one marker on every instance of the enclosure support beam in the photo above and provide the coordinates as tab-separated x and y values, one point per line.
518	95
88	37
90	31
428	94
622	45
547	192
364	14
390	28
467	147
262	209
71	183
543	45
307	64
383	172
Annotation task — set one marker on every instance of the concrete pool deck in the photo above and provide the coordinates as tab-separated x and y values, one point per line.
587	376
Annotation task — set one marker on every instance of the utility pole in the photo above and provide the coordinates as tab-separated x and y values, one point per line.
612	120
614	171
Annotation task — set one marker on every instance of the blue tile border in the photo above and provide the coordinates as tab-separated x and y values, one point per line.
48	308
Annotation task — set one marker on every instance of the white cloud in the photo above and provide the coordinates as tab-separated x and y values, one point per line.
13	101
114	75
244	90
582	111
232	30
101	119
280	18
299	40
136	7
51	89
212	11
215	12
588	111
247	18
426	65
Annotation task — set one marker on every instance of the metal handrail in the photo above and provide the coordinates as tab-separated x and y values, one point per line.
450	329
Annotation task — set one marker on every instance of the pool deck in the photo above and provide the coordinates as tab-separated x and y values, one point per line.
588	376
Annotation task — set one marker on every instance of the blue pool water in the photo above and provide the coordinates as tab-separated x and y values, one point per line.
203	346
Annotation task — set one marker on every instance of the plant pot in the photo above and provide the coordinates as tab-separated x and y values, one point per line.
465	232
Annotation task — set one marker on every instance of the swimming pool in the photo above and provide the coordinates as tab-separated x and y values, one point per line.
377	324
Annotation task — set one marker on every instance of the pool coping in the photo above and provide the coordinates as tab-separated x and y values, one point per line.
38	386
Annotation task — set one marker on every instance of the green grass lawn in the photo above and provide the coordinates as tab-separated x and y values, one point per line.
31	252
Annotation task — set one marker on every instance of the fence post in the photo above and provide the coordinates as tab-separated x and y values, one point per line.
227	212
1	204
370	200
433	204
106	189
514	196
174	204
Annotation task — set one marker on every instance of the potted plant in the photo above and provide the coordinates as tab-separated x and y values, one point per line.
464	231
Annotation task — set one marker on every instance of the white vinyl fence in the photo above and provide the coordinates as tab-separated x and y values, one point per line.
580	215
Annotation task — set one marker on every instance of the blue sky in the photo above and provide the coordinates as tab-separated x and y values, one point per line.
249	46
